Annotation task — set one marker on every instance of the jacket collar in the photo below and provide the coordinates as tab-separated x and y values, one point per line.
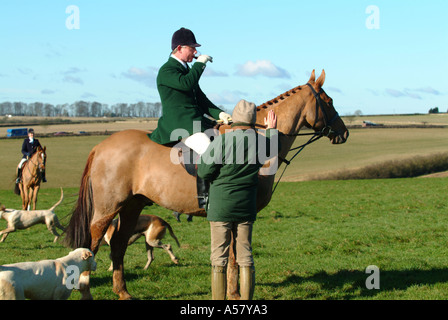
184	64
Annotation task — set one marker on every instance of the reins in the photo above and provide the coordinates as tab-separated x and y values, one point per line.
315	137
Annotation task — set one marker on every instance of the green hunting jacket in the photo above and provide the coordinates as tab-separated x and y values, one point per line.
231	164
183	101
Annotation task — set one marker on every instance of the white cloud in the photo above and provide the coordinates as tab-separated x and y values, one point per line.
412	93
69	75
227	97
428	90
262	67
145	76
334	89
87	95
72	79
209	72
47	91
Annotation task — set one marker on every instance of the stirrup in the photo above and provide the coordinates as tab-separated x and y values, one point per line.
202	201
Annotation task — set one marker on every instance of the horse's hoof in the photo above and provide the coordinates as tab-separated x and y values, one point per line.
125	296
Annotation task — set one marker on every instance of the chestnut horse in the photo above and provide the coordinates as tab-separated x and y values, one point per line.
127	171
29	184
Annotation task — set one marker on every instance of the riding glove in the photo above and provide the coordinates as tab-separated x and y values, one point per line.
204	58
225	117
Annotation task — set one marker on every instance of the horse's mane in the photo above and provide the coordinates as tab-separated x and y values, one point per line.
281	97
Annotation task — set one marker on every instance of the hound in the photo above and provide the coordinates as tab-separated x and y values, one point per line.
46	279
22	219
153	228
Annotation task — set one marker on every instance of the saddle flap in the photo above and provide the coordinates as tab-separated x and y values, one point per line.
188	159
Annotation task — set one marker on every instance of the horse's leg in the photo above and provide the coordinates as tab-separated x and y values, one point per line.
98	228
232	274
119	242
35	191
28	199
24	196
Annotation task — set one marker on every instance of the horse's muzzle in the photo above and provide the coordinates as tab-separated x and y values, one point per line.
341	138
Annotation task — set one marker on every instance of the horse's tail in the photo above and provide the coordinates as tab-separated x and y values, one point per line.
59	202
77	233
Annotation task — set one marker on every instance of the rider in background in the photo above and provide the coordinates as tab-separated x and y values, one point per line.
29	147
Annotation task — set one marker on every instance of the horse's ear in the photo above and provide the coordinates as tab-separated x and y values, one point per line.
313	77
320	81
45	148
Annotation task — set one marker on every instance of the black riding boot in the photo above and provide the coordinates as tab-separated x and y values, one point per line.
202	188
19	174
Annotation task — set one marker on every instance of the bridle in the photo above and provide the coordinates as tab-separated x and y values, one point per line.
328	122
326	131
40	165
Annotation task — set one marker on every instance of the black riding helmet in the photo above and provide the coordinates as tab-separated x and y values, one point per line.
183	37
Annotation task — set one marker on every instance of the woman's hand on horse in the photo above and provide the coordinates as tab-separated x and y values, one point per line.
271	120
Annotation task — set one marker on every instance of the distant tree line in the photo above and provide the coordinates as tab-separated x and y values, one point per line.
435	110
82	109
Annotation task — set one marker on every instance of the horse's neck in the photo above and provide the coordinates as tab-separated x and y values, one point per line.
288	107
33	163
289	116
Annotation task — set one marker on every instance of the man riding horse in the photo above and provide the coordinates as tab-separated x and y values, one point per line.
29	147
183	102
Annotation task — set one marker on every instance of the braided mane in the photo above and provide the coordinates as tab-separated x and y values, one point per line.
281	97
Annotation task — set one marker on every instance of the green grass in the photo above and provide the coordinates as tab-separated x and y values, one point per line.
313	241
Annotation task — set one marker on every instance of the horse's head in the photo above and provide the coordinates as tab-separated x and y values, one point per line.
41	158
319	113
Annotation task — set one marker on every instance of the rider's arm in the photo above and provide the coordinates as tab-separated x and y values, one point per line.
24	149
171	77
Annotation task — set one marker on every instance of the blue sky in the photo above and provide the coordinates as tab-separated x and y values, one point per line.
260	49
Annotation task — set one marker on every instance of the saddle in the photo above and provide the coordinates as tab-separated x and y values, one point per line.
188	159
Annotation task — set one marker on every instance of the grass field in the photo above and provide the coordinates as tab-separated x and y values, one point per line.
313	241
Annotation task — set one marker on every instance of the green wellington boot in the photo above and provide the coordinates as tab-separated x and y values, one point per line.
247	282
219	283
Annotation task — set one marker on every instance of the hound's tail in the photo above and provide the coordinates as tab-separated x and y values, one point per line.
172	233
77	233
59	202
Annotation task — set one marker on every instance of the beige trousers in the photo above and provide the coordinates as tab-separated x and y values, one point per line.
221	233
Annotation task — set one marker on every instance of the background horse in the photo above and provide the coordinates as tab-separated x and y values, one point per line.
29	184
127	171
